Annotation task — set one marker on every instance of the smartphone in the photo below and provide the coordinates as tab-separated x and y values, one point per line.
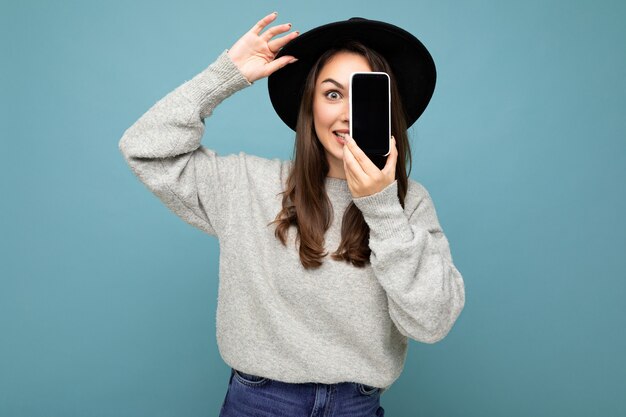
370	114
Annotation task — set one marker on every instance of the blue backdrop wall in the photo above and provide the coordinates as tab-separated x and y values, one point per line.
107	300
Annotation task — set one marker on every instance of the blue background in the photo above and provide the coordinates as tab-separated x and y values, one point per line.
107	300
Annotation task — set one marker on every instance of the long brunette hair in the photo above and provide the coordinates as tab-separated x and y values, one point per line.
305	203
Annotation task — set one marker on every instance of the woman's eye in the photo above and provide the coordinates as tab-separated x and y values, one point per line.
333	95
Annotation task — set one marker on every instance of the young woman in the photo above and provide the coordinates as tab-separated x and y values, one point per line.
328	264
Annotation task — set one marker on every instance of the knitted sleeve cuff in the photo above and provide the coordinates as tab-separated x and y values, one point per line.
384	214
215	83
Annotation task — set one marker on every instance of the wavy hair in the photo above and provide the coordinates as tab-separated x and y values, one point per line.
305	203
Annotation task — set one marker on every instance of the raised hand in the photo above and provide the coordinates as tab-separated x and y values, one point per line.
363	176
254	52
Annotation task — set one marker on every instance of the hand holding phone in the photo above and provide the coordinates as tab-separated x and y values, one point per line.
370	114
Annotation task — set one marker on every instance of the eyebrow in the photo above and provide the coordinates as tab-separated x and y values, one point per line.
330	80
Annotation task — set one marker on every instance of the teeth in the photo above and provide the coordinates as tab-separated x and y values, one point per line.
341	135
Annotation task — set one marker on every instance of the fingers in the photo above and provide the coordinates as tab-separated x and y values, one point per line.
273	45
392	159
277	64
351	167
256	29
276	44
275	30
366	164
351	163
362	183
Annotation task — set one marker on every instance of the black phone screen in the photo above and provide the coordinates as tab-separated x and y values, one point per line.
370	112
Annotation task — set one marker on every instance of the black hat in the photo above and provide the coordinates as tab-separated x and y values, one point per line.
409	59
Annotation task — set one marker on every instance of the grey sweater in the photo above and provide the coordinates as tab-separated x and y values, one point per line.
337	323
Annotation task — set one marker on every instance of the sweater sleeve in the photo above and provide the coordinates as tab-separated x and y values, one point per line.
163	148
411	259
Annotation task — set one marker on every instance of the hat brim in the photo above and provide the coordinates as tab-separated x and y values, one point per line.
410	61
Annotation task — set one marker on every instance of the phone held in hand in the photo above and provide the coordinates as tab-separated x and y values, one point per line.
370	114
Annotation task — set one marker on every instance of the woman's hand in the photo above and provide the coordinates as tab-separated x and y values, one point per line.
254	52
364	178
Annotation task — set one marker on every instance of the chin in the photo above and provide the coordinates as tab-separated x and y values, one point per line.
337	157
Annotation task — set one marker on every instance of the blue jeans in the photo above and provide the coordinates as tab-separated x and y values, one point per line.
255	396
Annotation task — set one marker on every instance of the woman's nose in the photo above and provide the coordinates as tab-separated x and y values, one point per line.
345	112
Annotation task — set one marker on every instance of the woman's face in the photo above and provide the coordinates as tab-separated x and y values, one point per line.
331	106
